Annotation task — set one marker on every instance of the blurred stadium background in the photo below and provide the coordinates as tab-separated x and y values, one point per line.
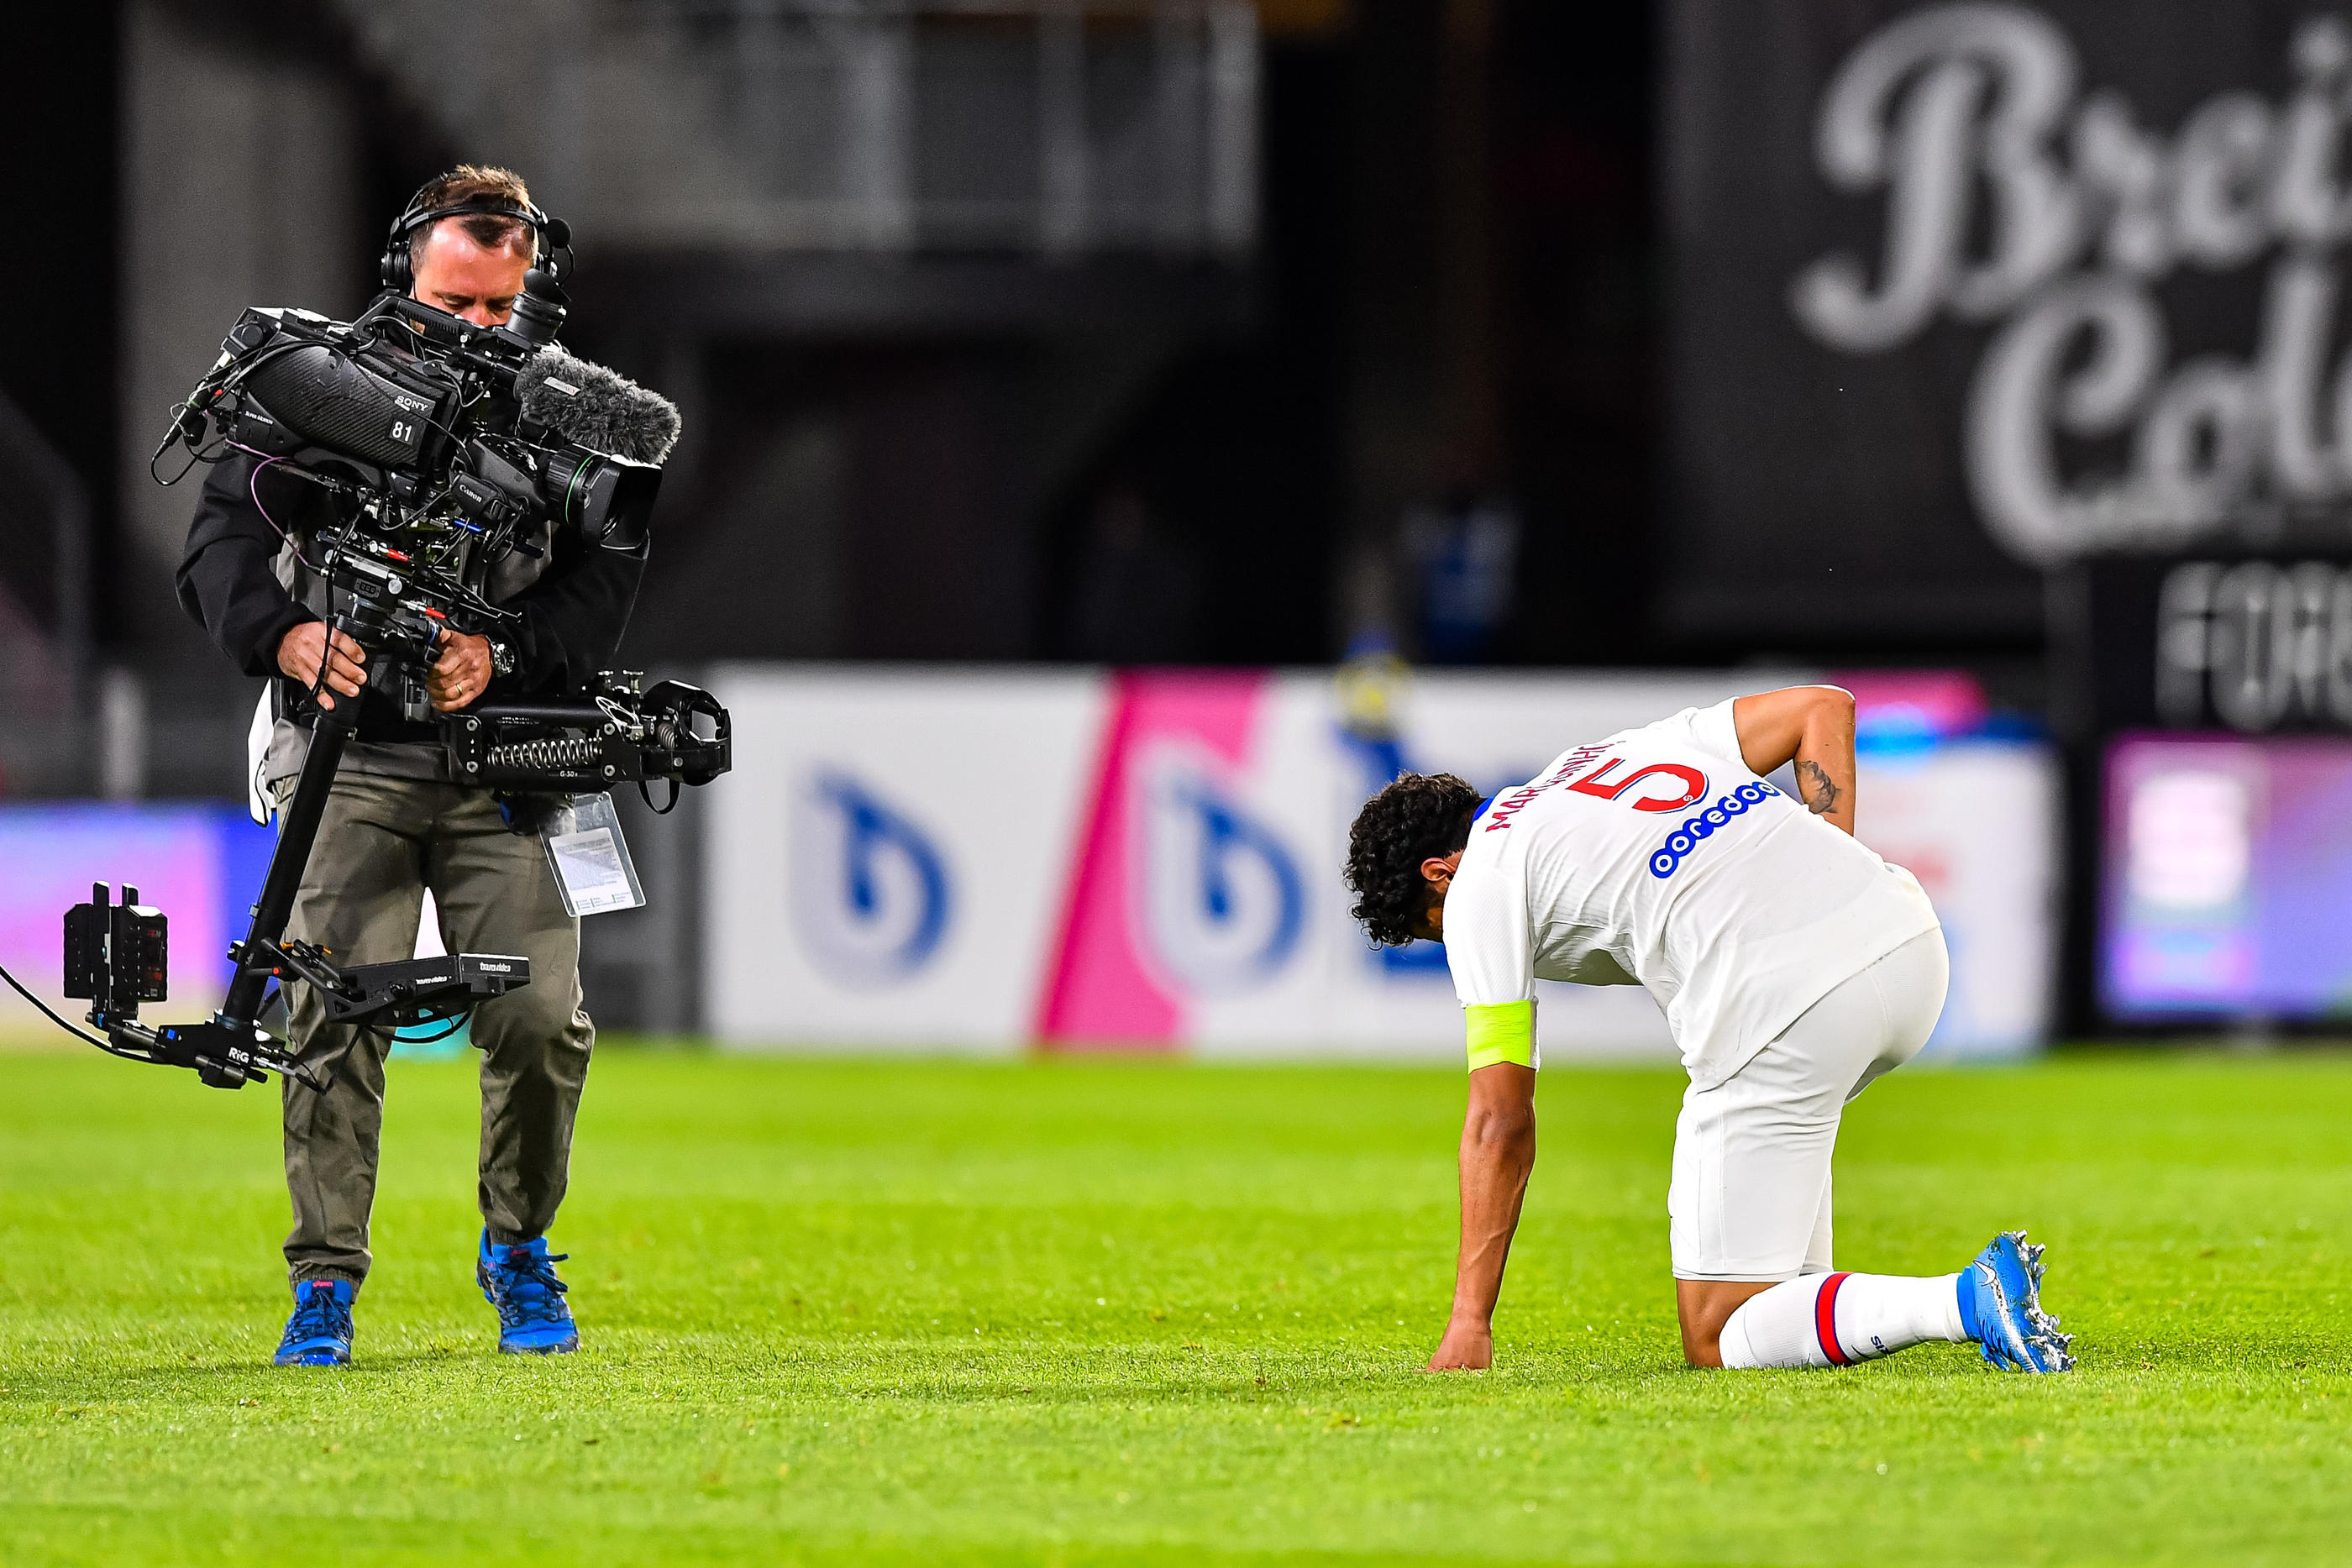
1121	433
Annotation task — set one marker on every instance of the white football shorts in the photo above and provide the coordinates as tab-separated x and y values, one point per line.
1750	1198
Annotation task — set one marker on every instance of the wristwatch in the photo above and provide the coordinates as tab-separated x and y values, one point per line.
502	659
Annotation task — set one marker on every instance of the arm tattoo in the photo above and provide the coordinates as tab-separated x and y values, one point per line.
1821	796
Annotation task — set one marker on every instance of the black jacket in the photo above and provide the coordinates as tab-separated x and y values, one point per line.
572	618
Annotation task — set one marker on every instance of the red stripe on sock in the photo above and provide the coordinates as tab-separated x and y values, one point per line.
1825	1321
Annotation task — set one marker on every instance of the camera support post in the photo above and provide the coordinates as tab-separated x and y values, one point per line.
231	1048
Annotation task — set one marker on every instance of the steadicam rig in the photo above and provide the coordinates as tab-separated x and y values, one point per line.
449	450
116	956
614	734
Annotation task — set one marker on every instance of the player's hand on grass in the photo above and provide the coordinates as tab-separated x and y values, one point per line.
1466	1347
300	650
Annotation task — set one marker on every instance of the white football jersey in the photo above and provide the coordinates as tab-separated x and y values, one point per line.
1656	857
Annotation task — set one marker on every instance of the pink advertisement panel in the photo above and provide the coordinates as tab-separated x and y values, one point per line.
1169	880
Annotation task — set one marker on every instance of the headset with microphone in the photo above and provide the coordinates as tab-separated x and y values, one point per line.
551	234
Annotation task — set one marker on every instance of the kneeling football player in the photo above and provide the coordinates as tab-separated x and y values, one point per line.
1794	967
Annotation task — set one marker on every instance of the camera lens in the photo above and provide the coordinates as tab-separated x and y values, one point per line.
609	500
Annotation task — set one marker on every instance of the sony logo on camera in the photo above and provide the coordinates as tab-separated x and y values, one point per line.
408	423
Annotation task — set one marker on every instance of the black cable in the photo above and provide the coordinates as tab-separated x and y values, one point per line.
253	488
234	376
326	652
104	1044
460	1021
187	468
328	1064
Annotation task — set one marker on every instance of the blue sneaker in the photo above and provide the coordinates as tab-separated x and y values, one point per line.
2001	1307
319	1332
520	1280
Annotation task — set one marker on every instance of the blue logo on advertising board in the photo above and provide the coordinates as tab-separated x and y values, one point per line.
1222	899
870	889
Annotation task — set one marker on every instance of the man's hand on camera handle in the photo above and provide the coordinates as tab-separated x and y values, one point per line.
461	668
300	650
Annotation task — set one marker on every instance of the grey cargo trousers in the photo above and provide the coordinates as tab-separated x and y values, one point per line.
383	843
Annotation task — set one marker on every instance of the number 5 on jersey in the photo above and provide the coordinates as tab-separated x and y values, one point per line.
1691	782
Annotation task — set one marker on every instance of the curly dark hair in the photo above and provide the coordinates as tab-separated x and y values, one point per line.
1420	816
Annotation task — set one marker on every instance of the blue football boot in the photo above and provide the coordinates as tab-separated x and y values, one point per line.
319	1332
2001	1308
520	1280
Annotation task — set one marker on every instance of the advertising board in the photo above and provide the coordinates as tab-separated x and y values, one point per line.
1963	292
2259	645
1976	821
1151	860
2229	864
884	866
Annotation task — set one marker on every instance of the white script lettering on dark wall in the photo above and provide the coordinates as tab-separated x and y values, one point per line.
2016	195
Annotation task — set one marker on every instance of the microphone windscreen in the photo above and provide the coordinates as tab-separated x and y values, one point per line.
599	409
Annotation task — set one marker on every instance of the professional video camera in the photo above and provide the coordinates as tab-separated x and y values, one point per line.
450	447
450	450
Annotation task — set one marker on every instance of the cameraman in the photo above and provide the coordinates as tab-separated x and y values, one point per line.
396	825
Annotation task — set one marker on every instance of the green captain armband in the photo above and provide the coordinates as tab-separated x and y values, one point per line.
1501	1031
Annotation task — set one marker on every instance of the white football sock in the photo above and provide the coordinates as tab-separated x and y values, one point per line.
1878	1313
1829	1320
1775	1327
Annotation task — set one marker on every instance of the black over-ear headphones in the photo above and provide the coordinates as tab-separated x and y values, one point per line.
550	236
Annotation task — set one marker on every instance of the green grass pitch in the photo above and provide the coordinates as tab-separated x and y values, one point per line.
1078	1313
